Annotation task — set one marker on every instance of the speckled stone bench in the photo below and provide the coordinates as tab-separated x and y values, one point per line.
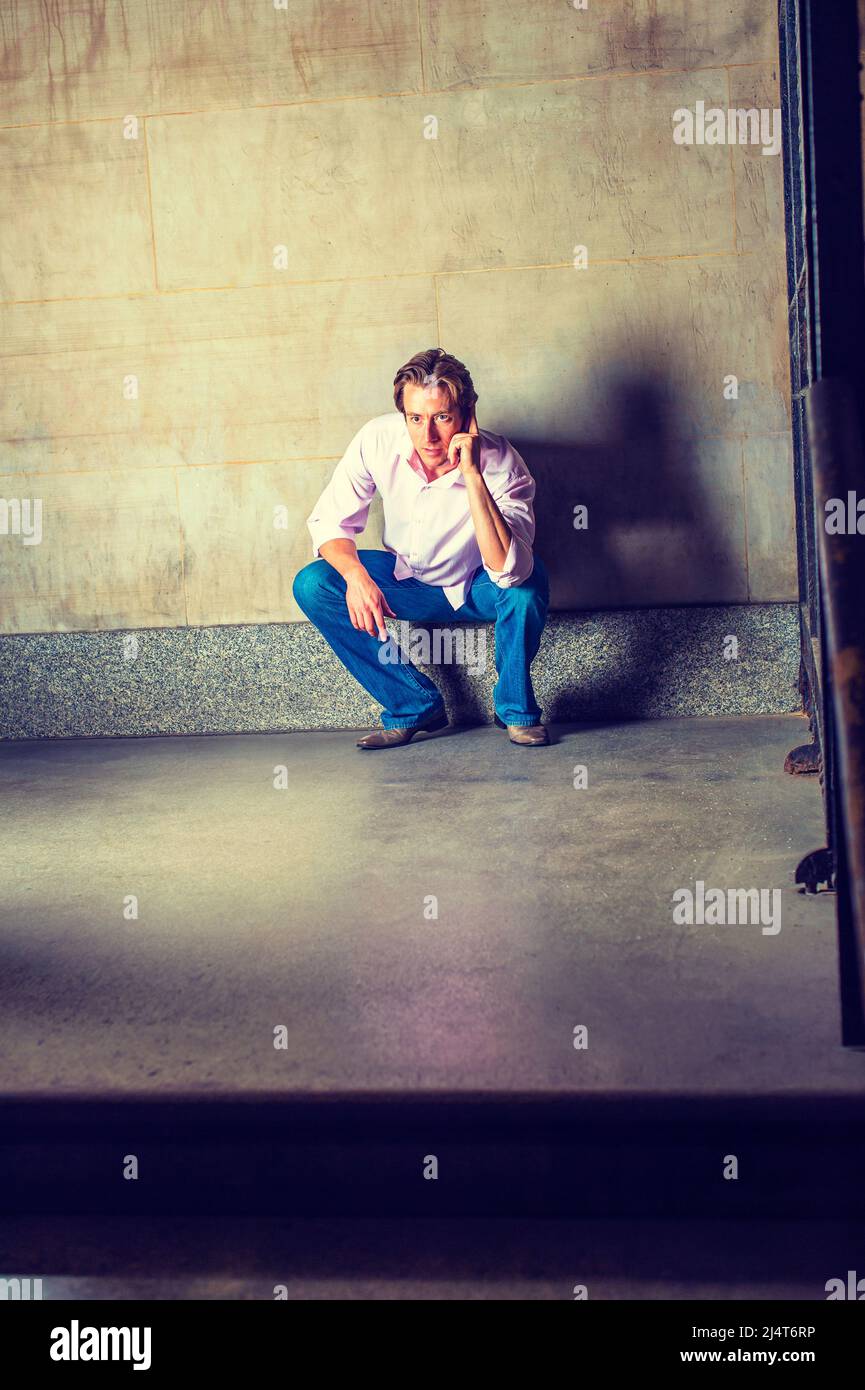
634	663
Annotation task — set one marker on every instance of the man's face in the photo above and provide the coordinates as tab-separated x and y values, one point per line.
432	422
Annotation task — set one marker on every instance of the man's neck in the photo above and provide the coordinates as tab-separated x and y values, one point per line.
433	473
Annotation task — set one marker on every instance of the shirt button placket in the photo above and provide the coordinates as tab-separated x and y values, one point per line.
414	527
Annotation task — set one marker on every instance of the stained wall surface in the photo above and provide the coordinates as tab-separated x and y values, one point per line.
229	224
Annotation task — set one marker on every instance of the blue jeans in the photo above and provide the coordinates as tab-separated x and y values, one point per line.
407	695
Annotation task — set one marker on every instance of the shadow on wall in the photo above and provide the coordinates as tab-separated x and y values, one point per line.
663	524
665	520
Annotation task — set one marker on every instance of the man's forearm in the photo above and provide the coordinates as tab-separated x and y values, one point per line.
492	531
342	554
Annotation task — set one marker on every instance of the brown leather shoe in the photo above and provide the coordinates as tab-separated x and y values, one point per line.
395	738
527	735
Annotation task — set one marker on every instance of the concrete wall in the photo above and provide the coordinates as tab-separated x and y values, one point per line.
168	385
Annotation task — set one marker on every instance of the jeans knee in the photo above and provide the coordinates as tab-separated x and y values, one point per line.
540	579
309	584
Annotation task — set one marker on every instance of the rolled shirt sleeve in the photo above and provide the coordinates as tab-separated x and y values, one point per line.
514	500
342	509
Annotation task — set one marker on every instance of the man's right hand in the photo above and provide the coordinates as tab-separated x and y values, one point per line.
366	603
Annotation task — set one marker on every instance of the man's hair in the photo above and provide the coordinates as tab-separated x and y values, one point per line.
435	367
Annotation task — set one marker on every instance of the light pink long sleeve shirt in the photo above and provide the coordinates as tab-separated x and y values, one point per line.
427	525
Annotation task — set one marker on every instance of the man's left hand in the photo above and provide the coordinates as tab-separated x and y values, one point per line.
465	449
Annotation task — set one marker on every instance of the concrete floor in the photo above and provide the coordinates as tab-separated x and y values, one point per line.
305	907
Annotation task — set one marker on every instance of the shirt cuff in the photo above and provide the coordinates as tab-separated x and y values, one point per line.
519	563
322	534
